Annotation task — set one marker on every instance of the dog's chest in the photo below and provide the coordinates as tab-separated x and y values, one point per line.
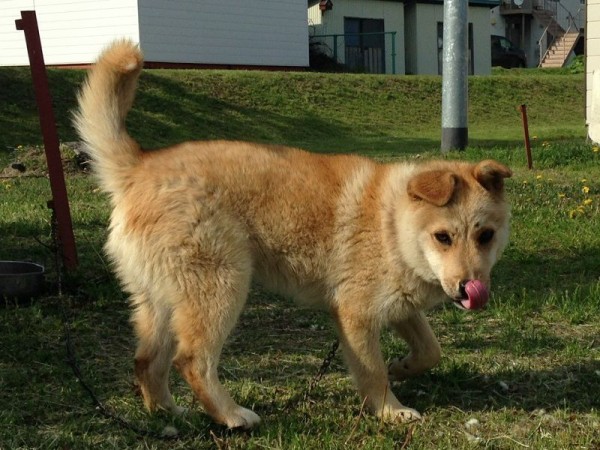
401	301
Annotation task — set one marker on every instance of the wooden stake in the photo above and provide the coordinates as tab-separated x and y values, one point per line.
523	109
60	202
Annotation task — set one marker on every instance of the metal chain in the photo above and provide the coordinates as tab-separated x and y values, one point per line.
322	370
56	248
70	351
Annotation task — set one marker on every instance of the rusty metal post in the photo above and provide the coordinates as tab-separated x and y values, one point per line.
523	109
60	203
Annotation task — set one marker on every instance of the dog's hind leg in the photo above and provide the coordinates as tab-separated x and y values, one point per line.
154	353
202	319
425	351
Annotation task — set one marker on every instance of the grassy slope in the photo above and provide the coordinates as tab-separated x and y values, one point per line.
527	369
321	112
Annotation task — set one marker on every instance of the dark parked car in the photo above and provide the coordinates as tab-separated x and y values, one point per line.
507	54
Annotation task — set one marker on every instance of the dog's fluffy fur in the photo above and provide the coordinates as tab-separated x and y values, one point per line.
194	223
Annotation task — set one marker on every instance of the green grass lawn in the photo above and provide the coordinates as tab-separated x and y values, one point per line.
524	373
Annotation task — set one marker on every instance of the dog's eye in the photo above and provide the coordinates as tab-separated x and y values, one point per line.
486	236
443	238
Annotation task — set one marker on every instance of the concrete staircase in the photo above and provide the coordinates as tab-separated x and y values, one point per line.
560	49
560	41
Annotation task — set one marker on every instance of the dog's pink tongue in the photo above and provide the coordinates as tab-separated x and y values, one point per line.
477	295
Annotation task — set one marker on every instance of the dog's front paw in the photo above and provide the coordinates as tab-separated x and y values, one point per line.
411	366
399	415
242	418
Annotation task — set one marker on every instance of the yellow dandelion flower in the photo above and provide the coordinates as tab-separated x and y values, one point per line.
584	180
538	177
587	202
585	190
595	149
561	195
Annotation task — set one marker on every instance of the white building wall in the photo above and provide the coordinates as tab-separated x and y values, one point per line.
497	24
230	32
315	16
72	32
427	53
482	52
426	60
592	63
332	22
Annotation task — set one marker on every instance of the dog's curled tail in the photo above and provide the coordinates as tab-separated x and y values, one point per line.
104	101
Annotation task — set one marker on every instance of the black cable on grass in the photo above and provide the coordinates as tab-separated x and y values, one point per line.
71	358
104	410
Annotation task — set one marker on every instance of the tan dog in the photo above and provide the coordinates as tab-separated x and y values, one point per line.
373	244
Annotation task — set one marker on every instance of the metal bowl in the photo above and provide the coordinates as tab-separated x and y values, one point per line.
20	280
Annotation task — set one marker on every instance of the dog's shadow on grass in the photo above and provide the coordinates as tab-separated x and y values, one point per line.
533	382
572	388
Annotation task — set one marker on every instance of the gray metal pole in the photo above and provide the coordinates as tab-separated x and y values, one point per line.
455	71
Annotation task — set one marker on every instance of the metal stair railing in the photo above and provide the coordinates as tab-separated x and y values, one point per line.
334	50
565	20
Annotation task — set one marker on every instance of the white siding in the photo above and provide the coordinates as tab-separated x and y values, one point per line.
497	25
252	32
422	40
392	13
425	41
315	16
592	30
72	31
482	54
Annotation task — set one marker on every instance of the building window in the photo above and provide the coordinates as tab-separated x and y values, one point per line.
364	45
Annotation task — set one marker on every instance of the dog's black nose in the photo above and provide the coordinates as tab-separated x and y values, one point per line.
462	288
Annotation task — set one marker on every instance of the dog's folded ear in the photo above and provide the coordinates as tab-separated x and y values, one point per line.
433	186
491	174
